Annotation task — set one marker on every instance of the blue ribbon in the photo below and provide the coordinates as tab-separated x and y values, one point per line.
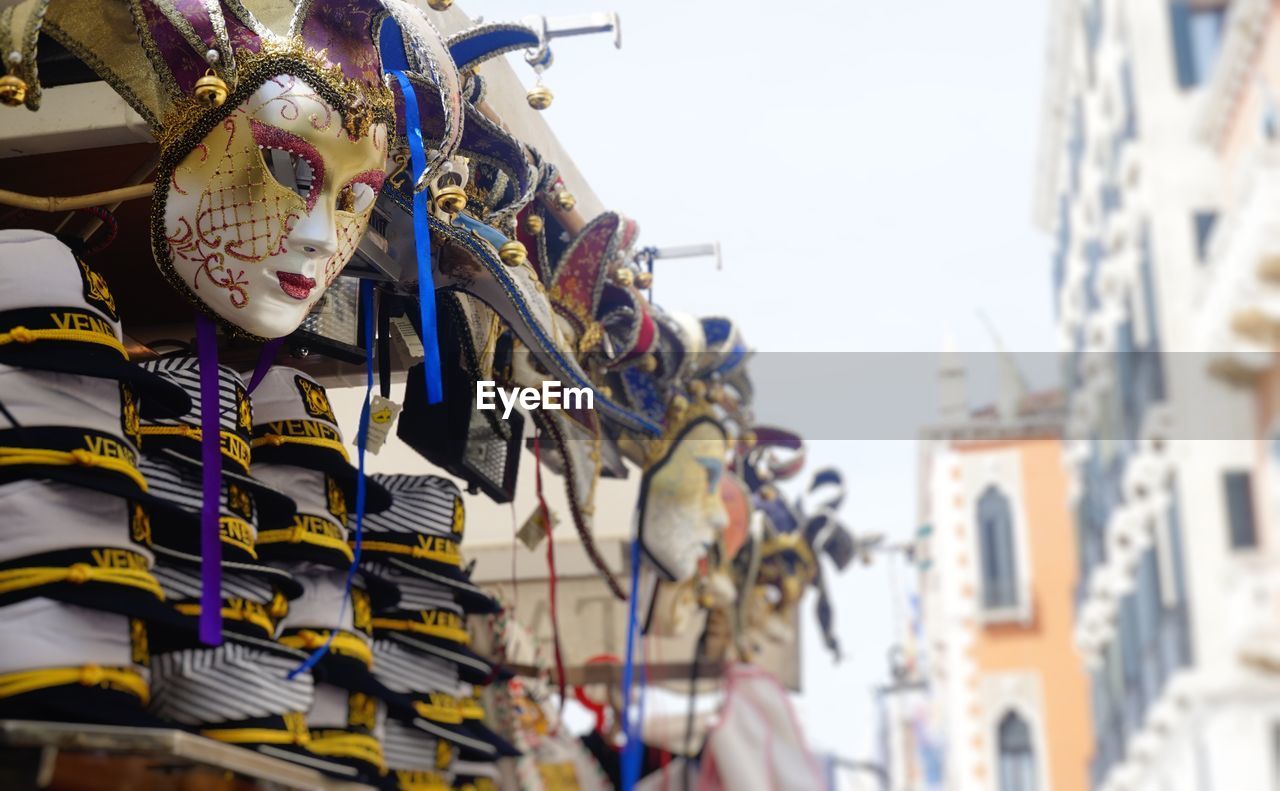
633	750
422	242
362	439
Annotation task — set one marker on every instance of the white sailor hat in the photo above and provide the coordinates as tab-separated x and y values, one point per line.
318	532
80	547
71	664
420	534
71	428
295	425
347	726
57	314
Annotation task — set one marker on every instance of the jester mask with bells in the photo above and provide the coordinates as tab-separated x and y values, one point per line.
274	131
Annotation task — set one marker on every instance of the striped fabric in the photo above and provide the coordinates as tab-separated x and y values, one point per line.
181	486
416	593
182	583
407	747
420	504
185	372
207	686
408	671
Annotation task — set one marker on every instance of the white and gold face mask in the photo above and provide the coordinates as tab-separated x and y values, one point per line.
681	511
265	211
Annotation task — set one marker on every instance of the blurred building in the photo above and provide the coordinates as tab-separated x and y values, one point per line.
992	694
1156	184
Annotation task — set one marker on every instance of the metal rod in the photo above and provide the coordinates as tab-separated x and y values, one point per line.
584	24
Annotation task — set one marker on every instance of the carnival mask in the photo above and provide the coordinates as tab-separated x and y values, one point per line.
265	211
680	507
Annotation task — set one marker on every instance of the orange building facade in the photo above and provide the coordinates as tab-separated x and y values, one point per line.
1007	696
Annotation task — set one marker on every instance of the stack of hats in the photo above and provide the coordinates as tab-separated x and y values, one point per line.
242	691
421	646
299	448
76	582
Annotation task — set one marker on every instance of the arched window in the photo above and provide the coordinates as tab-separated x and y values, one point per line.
1017	757
999	563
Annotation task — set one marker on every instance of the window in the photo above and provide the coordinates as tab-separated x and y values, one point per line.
1017	758
995	534
1238	488
1197	34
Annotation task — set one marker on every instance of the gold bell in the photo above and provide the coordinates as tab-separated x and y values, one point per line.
565	200
649	363
533	224
210	90
513	253
539	97
440	5
678	406
13	90
624	277
451	199
644	280
697	388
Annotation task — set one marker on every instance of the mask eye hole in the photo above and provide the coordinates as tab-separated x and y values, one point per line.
358	195
294	163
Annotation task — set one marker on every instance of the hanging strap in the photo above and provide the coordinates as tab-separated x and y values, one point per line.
631	718
362	437
210	622
422	243
386	303
266	359
551	570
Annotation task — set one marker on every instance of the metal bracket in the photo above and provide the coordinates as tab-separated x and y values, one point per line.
552	28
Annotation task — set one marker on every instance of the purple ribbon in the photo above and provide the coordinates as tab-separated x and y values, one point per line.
211	472
266	359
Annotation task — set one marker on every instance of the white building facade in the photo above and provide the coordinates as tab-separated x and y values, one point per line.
1175	564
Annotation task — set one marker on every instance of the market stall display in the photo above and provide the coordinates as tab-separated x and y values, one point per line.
230	568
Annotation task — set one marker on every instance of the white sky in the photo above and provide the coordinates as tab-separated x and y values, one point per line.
868	168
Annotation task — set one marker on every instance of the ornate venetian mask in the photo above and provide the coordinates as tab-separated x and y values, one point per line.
681	511
265	211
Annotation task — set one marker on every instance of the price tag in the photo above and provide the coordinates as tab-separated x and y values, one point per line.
382	416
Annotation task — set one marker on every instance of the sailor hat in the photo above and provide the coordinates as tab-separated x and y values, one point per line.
57	314
416	760
182	436
79	547
71	664
212	687
241	511
437	633
431	686
419	536
255	599
295	425
66	427
320	613
347	727
318	532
